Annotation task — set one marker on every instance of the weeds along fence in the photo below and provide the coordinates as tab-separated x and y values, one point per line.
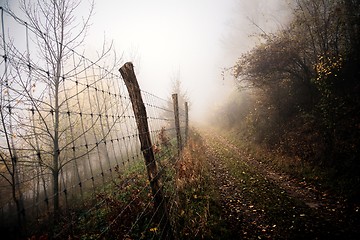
81	154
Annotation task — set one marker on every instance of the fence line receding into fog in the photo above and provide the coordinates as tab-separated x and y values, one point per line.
66	139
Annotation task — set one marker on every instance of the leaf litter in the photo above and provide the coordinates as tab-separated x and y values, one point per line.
259	203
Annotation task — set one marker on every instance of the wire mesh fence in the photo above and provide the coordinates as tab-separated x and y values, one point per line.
69	144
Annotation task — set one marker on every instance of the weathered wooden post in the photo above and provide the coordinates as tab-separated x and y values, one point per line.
186	122
177	122
127	72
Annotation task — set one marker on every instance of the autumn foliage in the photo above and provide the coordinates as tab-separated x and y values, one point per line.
302	86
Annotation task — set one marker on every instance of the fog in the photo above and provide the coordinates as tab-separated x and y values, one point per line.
194	40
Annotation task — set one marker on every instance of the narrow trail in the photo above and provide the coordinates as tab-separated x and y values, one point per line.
259	203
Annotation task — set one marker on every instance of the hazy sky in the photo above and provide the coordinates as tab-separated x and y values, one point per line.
194	37
164	37
197	38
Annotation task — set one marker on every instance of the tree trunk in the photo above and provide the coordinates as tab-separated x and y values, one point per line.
56	151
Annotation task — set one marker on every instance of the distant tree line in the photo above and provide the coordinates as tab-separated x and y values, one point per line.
303	87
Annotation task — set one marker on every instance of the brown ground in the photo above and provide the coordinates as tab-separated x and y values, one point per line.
259	203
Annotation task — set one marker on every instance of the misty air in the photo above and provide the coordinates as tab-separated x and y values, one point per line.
166	119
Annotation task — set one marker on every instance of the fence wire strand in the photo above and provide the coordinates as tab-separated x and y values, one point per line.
69	144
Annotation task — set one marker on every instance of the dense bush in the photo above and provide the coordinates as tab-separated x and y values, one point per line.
305	85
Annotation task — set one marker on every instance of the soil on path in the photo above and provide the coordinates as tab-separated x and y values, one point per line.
259	203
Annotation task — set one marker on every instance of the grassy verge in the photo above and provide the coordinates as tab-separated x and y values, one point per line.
112	211
340	182
124	209
198	212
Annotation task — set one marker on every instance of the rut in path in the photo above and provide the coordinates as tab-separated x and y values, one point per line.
257	202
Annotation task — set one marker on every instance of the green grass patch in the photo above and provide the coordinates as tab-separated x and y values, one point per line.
123	207
278	214
339	181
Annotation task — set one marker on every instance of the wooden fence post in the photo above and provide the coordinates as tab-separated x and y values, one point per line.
177	122
186	122
127	72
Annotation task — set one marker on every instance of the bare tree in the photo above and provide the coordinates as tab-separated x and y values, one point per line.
176	87
50	128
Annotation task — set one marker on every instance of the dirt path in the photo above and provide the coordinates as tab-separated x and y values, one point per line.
259	203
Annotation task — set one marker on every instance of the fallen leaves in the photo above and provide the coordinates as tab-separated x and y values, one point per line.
260	202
